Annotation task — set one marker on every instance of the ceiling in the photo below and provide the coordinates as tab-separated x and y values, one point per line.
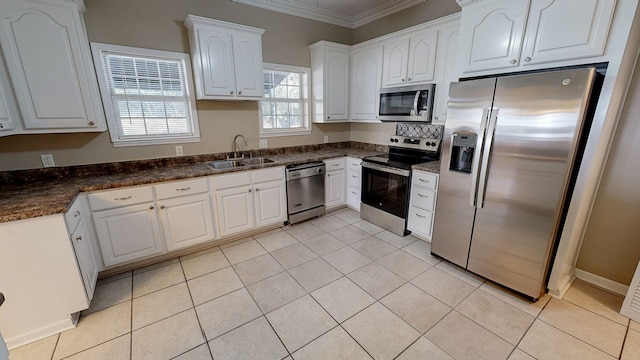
347	13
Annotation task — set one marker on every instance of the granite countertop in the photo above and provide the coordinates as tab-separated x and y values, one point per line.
37	195
432	167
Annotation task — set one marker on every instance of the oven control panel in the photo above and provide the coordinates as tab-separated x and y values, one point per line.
415	143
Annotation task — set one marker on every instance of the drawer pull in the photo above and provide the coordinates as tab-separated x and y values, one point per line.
354	176
354	193
184	189
421	216
335	164
423	196
423	180
77	213
123	198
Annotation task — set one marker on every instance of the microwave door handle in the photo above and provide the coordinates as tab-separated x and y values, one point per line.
475	166
484	169
415	103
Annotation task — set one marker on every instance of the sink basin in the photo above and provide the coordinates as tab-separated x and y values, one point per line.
256	161
224	164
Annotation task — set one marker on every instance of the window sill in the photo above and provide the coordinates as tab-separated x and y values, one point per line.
284	133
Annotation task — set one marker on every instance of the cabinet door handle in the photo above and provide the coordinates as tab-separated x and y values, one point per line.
513	61
91	123
231	92
184	189
161	206
421	216
250	190
79	238
123	198
1	126
527	59
328	117
408	79
239	92
151	207
402	80
77	213
257	189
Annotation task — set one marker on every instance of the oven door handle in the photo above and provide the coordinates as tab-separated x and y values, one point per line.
387	169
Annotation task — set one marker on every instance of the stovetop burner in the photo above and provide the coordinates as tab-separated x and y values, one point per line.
407	151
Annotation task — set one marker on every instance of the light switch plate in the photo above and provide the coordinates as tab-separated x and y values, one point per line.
326	139
47	160
263	143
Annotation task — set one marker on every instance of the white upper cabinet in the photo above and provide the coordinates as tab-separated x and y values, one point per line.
491	34
46	51
566	30
366	72
410	60
227	59
330	81
506	34
8	107
447	70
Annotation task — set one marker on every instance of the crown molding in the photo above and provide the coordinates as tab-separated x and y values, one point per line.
294	8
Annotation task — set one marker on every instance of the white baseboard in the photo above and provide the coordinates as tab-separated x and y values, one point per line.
23	339
601	282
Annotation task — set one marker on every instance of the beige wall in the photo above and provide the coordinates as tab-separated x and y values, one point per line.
158	24
426	11
611	246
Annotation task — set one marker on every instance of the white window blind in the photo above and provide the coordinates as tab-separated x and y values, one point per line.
146	95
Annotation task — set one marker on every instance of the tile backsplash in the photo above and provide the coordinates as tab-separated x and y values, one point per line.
420	130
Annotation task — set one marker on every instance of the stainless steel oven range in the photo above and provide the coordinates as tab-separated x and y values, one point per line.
386	181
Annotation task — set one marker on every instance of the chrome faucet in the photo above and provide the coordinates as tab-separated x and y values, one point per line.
234	146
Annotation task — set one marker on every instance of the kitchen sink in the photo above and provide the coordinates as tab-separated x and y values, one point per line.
256	161
224	164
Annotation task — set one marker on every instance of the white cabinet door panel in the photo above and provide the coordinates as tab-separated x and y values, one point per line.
271	207
422	57
337	83
366	77
492	34
562	30
247	53
216	57
448	70
335	184
396	55
186	221
235	210
128	233
83	247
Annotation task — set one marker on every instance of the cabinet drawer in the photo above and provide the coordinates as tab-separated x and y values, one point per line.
423	198
335	164
420	221
424	179
353	164
73	216
353	180
120	197
231	180
270	174
181	188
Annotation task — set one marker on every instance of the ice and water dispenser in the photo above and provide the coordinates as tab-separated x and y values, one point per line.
463	147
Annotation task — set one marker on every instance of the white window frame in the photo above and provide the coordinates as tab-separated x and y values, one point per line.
98	49
306	108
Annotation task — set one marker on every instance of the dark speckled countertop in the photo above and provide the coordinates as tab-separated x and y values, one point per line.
32	193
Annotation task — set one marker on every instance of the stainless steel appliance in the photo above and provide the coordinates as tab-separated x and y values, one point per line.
386	181
305	191
408	103
508	162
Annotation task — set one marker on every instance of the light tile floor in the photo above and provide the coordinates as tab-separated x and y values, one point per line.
334	287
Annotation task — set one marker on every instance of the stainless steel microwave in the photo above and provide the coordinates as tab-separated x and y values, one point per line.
407	103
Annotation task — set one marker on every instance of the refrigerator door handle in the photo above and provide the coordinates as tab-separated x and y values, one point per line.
486	151
476	163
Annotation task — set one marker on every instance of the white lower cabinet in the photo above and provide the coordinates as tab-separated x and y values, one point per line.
422	204
250	200
83	240
335	183
354	179
128	233
186	221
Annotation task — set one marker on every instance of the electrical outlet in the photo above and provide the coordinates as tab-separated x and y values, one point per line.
47	160
326	139
263	143
179	150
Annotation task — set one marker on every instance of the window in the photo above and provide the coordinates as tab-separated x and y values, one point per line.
147	95
285	106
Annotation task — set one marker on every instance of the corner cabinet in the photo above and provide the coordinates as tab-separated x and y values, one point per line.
227	59
47	55
410	60
508	34
330	82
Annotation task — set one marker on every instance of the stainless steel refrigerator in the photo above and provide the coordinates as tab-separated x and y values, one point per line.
509	154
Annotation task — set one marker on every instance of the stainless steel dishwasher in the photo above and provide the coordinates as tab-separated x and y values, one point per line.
305	191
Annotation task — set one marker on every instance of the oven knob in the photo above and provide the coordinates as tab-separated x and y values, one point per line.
319	171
